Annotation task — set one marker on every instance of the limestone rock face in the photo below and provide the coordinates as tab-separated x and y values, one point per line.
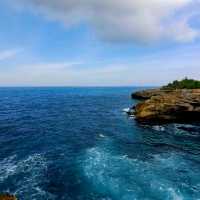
176	106
147	94
7	197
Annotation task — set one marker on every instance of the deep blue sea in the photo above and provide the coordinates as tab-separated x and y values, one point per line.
77	144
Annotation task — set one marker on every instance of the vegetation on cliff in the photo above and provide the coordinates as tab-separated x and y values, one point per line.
183	84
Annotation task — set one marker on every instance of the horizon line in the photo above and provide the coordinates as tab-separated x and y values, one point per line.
74	86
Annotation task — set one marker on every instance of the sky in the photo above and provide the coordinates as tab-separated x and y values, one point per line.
98	43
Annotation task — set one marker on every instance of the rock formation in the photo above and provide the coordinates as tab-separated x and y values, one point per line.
7	197
147	94
168	105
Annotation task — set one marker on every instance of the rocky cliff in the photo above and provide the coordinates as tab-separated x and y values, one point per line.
168	105
147	94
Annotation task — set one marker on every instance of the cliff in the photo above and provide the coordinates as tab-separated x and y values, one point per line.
147	94
182	105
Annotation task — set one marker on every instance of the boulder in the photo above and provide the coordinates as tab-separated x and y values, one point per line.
171	106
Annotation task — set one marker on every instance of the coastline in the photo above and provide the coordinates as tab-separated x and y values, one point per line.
164	106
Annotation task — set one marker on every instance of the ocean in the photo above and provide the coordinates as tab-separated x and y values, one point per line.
78	144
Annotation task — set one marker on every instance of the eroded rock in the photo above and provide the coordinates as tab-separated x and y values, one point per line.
7	197
176	106
147	94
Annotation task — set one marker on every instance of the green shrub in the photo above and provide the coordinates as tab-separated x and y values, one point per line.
183	84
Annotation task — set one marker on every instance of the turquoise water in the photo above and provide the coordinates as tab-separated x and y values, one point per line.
77	144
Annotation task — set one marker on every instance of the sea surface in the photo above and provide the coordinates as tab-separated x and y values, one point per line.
77	144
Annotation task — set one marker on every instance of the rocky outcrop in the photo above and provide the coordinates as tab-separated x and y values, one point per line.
7	197
147	94
170	106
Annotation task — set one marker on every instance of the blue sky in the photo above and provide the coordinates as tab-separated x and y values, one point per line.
92	43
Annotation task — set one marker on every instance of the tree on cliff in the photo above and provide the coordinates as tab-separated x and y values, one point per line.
183	84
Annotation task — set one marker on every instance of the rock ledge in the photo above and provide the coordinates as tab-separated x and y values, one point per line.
164	106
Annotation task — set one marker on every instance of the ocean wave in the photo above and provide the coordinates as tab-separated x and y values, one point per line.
27	175
158	128
122	178
126	110
8	167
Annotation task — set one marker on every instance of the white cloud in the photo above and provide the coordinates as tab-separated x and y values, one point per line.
123	20
151	69
8	54
50	66
41	73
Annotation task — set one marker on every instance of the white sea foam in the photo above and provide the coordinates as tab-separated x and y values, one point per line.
102	136
126	110
174	194
7	167
32	168
123	178
158	128
132	116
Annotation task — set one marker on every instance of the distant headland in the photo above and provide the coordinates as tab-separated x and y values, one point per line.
178	101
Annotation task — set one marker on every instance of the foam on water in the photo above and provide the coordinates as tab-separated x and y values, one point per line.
126	110
7	168
158	128
76	144
30	172
102	136
122	178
